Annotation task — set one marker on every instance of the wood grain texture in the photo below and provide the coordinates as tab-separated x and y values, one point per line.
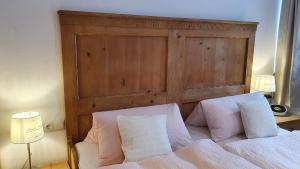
152	22
290	126
114	61
287	119
217	59
72	154
70	79
119	65
289	122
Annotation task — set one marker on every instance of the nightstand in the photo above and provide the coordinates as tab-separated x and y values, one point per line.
289	122
59	165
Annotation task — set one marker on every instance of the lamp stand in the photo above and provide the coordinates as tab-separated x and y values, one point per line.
29	155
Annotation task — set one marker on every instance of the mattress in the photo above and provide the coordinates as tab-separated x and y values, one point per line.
88	153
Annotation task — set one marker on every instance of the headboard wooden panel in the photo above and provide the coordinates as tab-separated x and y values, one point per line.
113	61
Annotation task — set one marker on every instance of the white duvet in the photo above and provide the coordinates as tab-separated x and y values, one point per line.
202	154
280	152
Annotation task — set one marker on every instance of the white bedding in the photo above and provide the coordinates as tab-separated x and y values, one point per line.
203	133
88	158
280	152
87	155
201	154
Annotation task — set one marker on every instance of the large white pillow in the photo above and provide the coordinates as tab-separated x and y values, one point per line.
197	118
108	136
143	136
223	115
258	119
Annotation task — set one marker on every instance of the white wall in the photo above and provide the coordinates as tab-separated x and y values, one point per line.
52	148
30	52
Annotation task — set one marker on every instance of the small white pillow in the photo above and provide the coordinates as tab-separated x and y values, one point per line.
258	118
143	136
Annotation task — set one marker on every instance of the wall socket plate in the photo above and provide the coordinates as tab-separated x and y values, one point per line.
52	126
49	127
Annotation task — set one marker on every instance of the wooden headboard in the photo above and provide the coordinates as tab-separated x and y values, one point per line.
113	61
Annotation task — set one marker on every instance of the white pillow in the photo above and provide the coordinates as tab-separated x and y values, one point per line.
258	118
143	136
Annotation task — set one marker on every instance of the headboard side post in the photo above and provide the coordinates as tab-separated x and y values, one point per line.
70	80
249	63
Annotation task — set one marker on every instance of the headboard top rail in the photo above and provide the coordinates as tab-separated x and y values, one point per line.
96	18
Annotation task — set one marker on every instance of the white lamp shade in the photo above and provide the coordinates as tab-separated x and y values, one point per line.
265	83
26	127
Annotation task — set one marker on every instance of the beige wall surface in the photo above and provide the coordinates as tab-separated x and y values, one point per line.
30	56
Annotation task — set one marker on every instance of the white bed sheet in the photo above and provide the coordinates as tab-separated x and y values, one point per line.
88	153
203	133
281	152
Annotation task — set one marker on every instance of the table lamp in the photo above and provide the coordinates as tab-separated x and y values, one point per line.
266	84
26	128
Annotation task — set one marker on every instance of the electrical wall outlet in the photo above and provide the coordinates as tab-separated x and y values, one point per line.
54	126
49	127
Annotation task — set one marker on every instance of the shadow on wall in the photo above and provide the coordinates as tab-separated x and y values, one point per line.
32	95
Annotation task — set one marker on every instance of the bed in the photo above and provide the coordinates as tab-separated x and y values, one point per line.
87	152
278	152
113	61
